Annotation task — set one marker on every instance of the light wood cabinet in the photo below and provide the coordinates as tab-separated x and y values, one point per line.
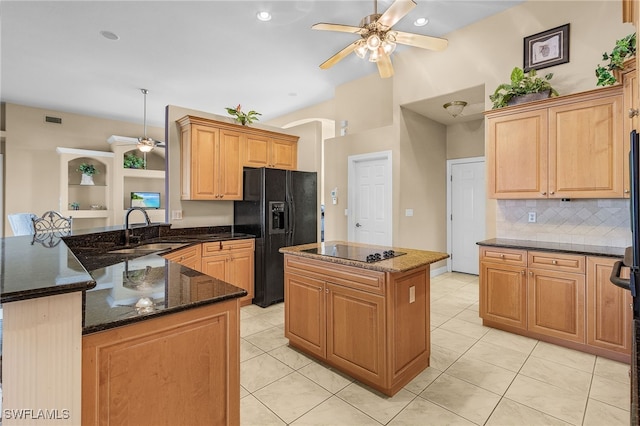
265	151
191	257
609	312
565	147
563	298
211	161
503	297
630	115
129	372
371	325
231	261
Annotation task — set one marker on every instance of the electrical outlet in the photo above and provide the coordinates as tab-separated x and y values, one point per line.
532	217
176	214
408	212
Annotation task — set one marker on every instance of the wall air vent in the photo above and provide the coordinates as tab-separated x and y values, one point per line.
49	119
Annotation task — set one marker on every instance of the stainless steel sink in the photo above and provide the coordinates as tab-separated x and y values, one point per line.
149	248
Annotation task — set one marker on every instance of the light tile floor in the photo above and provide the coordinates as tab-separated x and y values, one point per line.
478	375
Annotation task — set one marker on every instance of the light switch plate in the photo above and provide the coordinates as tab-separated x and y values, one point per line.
408	212
176	214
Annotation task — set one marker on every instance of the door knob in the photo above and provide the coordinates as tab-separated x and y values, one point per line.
358	225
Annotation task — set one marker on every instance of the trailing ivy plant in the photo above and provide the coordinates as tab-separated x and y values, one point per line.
521	84
624	48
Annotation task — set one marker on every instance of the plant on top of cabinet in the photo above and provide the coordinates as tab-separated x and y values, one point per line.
243	118
522	84
132	161
623	49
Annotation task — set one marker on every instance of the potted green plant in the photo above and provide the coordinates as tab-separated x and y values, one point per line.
524	87
132	161
242	117
87	170
609	73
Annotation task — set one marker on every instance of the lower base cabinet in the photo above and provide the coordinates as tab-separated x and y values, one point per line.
561	298
176	369
371	325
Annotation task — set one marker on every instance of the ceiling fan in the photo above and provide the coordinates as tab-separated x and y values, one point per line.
144	143
379	39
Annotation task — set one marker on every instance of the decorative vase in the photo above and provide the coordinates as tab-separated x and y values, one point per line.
86	179
529	97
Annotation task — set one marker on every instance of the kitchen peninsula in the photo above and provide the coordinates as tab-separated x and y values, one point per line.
362	309
93	331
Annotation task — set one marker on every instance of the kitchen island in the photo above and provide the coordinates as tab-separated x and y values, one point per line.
97	333
362	309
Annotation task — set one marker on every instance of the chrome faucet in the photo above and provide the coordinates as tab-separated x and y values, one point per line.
127	231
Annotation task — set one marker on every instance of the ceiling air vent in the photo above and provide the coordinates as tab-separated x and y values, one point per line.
49	119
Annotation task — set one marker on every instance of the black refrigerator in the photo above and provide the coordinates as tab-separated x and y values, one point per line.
280	208
632	260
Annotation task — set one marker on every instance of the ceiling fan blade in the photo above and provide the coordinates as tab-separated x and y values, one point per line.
384	66
338	56
396	12
337	27
422	41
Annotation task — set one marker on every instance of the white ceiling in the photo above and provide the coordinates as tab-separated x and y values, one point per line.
205	55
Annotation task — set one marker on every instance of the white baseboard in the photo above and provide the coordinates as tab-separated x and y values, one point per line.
439	271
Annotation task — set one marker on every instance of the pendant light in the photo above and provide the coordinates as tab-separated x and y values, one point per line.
145	144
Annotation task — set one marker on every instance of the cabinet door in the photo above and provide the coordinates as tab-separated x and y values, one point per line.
503	294
631	102
356	332
517	155
585	149
256	151
305	315
203	161
241	273
216	266
230	166
284	154
556	304
609	314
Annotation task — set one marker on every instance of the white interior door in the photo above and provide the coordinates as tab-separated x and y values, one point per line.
370	198
467	213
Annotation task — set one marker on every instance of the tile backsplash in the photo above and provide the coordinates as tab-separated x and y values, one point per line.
603	222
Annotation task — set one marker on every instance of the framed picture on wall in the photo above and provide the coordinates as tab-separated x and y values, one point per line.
547	48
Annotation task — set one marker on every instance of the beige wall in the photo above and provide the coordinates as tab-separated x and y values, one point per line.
32	166
483	53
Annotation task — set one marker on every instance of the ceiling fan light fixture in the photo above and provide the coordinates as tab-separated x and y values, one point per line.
373	42
145	144
374	56
454	107
361	49
389	44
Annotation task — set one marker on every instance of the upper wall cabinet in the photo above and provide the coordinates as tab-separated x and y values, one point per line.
264	151
213	154
565	147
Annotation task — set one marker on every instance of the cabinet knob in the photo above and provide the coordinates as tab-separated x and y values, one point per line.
522	272
633	112
543	193
326	290
626	191
555	262
530	273
552	192
502	256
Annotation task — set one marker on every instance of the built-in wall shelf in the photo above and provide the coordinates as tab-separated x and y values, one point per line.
86	214
143	173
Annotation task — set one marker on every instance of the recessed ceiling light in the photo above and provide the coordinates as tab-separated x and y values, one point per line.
264	16
109	35
420	22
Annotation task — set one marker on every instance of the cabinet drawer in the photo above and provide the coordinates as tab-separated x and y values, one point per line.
502	255
348	276
557	261
215	247
185	255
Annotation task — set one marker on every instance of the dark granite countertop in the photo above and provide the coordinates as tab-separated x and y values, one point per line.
584	249
113	282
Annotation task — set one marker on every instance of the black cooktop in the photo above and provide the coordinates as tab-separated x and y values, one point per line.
362	254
